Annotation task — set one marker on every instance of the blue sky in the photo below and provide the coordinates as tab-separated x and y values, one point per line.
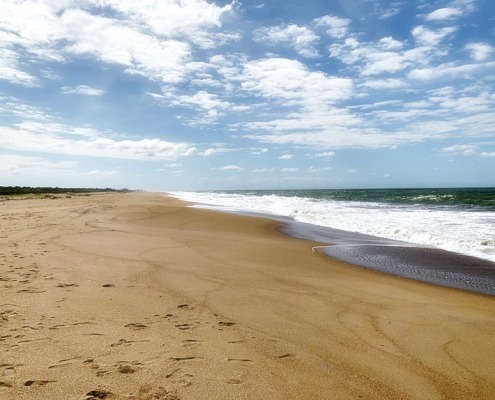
195	95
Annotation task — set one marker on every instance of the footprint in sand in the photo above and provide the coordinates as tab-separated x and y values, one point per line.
136	326
190	342
102	373
67	285
98	394
37	383
8	313
244	360
221	323
31	290
184	358
183	327
64	362
92	365
159	393
287	355
126	369
121	342
185	307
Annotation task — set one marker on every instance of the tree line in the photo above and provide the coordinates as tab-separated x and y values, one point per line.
18	190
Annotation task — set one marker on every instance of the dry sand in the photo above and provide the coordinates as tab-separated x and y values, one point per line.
134	296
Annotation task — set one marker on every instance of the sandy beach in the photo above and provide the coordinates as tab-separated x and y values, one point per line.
136	296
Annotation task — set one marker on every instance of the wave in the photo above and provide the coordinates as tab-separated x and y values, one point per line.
464	230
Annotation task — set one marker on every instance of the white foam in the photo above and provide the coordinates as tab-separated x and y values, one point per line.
462	231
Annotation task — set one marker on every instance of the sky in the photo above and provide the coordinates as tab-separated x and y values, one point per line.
169	95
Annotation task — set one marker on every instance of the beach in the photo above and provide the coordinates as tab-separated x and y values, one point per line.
137	296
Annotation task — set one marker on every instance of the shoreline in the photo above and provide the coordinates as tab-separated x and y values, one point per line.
403	259
407	260
461	218
136	296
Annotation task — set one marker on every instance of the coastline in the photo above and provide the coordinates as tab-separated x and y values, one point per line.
135	296
408	260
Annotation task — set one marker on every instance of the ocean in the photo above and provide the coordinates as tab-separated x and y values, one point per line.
443	236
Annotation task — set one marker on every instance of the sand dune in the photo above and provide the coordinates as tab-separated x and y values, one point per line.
135	296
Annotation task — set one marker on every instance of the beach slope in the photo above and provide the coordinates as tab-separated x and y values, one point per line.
136	296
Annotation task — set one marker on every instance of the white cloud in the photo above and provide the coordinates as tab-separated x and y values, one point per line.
455	102
169	18
293	83
209	152
102	173
395	8
487	154
317	118
39	132
286	156
313	170
10	69
430	37
143	149
299	38
13	107
12	165
460	149
32	24
443	14
290	169
336	27
63	139
385	56
389	43
209	105
314	121
450	70
259	151
479	51
55	129
446	112
324	154
151	38
341	137
229	168
157	59
386	61
390	83
82	89
212	40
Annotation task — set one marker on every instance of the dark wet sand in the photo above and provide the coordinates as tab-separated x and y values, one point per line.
423	264
399	258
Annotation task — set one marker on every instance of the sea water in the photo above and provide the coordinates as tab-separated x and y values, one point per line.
457	220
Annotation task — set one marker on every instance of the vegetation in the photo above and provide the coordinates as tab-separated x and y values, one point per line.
23	190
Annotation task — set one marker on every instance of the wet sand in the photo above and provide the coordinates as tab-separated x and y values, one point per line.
135	296
408	260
